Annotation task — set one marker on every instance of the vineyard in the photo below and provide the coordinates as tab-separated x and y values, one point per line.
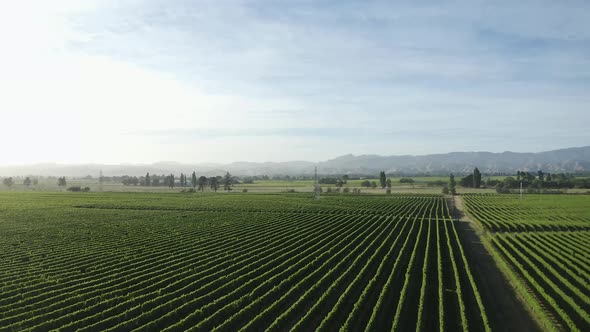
250	262
510	213
543	244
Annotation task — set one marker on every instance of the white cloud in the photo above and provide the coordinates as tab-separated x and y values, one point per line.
79	76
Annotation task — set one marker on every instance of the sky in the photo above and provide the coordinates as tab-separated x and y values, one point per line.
119	81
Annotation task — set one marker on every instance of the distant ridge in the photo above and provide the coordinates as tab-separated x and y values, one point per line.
570	160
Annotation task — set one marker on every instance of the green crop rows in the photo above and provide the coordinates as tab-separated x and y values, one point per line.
510	213
174	262
543	243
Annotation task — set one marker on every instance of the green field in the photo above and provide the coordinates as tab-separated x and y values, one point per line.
531	212
126	261
423	185
543	245
203	262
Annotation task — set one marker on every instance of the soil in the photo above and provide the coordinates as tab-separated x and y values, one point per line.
504	309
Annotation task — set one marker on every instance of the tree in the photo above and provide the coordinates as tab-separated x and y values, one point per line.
194	180
467	181
202	183
155	180
373	184
382	179
501	189
452	185
510	182
8	182
388	184
61	182
445	190
148	180
227	182
27	181
35	181
476	178
171	180
213	183
541	176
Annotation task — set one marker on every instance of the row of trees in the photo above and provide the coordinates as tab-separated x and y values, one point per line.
184	180
532	182
335	181
373	184
9	182
472	180
540	181
341	181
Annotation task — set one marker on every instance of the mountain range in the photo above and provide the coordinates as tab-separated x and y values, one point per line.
569	160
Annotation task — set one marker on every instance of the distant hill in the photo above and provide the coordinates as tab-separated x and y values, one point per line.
563	160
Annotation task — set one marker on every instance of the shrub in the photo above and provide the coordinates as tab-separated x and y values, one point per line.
75	189
244	190
500	189
388	191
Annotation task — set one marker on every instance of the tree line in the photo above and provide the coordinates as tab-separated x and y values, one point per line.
534	182
27	182
184	181
530	181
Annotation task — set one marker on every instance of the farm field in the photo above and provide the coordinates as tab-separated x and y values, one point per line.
423	185
508	213
542	242
251	262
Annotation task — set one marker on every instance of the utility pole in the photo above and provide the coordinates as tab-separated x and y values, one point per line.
520	189
316	184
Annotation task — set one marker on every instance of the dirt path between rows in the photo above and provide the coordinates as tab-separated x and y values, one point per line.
505	312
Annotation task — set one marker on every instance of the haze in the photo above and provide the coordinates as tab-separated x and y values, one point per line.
220	81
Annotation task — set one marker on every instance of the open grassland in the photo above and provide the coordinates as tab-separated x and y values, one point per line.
543	246
173	262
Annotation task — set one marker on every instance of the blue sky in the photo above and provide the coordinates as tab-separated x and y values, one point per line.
221	81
